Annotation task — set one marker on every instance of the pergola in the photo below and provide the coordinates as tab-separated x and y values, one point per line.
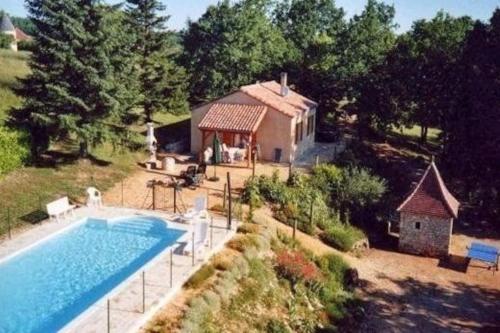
231	120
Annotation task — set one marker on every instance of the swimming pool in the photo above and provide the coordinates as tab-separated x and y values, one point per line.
45	287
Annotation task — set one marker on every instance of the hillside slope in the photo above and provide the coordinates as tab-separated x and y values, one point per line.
12	66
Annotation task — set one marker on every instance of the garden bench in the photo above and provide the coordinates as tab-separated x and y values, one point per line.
60	207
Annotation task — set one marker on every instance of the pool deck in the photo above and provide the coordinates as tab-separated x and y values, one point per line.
126	300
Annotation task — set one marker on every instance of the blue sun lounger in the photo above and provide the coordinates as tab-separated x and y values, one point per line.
485	253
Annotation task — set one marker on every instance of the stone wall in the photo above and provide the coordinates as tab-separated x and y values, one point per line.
432	239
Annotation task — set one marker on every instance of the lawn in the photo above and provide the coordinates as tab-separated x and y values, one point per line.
413	133
12	65
26	191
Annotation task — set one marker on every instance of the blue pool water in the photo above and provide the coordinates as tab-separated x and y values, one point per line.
45	287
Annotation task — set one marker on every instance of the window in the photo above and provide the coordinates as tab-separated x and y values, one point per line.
298	132
310	125
417	225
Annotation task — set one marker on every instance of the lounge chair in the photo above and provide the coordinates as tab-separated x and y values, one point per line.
94	198
200	239
198	212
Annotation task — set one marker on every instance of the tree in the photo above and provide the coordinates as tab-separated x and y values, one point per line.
366	42
229	46
312	30
473	150
70	91
162	82
5	41
433	48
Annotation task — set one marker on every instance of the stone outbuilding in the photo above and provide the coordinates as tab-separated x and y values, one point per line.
426	216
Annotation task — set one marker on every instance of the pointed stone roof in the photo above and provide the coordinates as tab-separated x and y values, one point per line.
431	197
6	24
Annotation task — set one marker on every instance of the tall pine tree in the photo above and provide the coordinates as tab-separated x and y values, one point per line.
162	82
69	91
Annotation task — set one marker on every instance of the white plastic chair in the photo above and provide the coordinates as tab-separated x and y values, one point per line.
94	198
200	239
199	211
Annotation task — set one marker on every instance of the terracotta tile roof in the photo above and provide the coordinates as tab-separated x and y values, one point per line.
269	93
21	35
233	117
431	197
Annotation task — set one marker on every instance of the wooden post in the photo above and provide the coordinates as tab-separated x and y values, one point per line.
192	249
290	170
122	192
171	266
294	228
109	316
175	199
230	208
224	197
317	160
143	291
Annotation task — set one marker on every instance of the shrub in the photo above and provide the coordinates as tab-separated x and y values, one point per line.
222	262
342	236
243	242
5	41
294	266
198	278
333	265
13	150
249	228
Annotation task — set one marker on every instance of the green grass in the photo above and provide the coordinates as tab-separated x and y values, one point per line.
13	65
414	133
26	191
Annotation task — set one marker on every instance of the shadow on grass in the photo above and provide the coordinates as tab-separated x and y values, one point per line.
34	217
54	159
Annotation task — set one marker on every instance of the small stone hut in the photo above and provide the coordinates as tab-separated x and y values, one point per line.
426	216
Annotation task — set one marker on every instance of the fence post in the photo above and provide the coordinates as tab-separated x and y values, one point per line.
122	193
224	197
317	160
192	249
8	223
143	291
40	202
109	317
171	266
230	210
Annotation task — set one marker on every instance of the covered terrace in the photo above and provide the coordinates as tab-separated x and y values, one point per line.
236	126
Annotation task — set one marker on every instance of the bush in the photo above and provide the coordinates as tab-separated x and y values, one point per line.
13	150
222	262
249	228
198	278
5	41
26	45
342	236
295	267
333	265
